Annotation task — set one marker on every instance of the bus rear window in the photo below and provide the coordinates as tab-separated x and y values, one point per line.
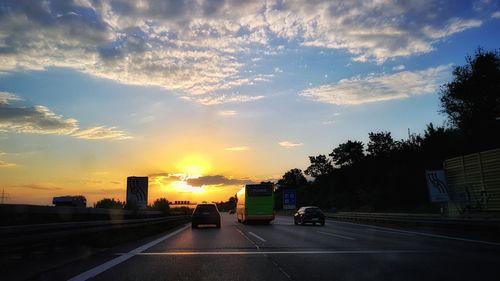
264	190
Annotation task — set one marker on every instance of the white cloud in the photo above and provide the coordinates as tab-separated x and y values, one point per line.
101	133
41	120
221	99
195	47
237	148
227	112
6	98
398	67
496	15
278	70
454	25
289	144
377	88
369	30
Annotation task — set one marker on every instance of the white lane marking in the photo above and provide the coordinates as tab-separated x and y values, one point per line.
109	264
246	237
390	231
336	235
257	236
282	252
422	233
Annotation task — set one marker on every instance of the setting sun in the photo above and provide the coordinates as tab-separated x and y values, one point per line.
194	166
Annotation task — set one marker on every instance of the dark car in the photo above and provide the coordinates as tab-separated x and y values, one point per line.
205	214
309	214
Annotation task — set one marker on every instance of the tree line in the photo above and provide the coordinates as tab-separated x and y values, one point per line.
160	204
387	174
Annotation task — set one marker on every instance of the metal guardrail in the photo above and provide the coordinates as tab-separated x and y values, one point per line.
28	235
428	219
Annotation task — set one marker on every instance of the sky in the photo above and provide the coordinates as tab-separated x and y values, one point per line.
205	96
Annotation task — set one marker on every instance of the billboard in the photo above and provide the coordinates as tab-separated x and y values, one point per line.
137	191
436	183
289	199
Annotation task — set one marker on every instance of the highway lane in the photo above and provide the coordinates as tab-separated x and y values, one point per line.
283	251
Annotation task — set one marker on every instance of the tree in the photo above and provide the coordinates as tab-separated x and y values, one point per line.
292	179
381	143
320	166
162	205
472	99
348	153
109	203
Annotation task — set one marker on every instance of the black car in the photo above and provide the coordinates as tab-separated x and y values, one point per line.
309	214
205	214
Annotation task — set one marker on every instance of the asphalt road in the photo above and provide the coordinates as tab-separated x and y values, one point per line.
283	251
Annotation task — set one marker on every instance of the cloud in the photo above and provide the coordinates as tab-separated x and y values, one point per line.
106	191
6	98
454	25
4	164
101	133
378	88
216	180
221	99
198	47
227	113
288	144
369	30
40	187
496	15
165	178
41	120
36	120
398	67
237	148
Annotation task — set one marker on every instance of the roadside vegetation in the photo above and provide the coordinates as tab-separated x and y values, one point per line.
387	174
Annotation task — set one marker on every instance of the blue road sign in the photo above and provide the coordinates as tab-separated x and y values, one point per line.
289	199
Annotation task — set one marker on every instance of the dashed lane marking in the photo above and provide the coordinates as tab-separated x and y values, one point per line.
257	236
336	235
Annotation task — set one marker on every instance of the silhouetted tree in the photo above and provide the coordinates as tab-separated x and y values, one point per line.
381	143
292	179
162	205
320	166
472	99
348	153
109	203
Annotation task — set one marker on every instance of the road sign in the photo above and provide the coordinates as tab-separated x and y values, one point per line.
289	199
137	191
436	183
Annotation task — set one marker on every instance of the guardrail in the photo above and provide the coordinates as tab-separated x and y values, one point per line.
13	238
423	219
18	214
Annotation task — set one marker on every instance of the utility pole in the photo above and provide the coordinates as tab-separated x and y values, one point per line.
4	196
